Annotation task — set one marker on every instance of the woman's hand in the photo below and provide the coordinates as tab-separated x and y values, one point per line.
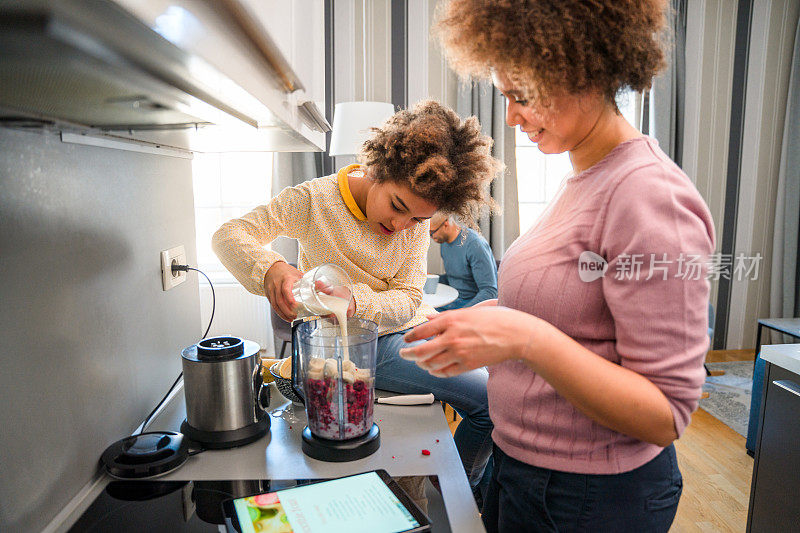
614	396
278	283
465	339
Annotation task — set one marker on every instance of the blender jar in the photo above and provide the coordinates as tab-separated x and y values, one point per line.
339	392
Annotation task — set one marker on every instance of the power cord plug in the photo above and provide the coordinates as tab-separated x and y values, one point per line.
180	268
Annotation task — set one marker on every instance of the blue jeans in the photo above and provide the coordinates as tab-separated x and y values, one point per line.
522	497
458	303
466	393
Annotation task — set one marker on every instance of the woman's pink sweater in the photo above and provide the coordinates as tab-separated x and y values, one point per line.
637	211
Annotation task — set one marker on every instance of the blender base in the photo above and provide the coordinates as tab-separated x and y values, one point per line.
217	440
340	451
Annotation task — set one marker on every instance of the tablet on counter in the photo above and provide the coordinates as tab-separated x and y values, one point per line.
371	502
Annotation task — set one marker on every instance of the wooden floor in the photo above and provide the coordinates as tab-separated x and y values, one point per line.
716	477
716	469
717	356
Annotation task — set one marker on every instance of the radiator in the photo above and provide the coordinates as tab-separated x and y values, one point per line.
237	313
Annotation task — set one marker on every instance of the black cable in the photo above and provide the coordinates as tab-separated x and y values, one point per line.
183	268
213	297
159	404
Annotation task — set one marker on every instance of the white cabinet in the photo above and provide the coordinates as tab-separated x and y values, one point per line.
298	28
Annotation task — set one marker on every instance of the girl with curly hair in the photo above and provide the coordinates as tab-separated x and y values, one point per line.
595	345
372	220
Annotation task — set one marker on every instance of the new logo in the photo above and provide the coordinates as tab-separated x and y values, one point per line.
591	266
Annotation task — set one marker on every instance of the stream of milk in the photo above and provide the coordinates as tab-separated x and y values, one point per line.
337	306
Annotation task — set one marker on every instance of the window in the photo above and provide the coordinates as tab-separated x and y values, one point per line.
540	175
226	186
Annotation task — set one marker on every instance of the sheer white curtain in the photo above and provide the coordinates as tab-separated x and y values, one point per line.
289	169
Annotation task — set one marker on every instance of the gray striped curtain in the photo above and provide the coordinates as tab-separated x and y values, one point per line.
663	106
785	281
484	101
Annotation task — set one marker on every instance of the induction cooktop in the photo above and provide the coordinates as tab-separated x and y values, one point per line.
191	506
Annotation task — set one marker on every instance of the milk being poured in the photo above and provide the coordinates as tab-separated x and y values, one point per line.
338	307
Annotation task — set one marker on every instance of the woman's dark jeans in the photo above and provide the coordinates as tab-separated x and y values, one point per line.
522	497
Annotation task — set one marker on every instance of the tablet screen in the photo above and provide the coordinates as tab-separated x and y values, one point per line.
348	505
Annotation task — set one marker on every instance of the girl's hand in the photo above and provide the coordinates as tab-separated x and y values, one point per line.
278	283
339	292
466	339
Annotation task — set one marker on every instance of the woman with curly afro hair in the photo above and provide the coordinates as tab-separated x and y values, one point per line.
595	345
372	220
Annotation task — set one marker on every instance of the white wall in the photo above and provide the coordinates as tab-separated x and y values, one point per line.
91	342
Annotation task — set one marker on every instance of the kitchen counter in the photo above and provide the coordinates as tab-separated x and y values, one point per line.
405	432
786	356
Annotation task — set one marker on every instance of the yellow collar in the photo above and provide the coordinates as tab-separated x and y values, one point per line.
344	189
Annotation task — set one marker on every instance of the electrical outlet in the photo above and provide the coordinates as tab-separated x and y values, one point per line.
169	278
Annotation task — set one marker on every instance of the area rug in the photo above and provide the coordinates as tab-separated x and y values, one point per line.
729	394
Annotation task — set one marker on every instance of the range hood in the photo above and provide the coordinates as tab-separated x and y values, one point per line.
152	67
